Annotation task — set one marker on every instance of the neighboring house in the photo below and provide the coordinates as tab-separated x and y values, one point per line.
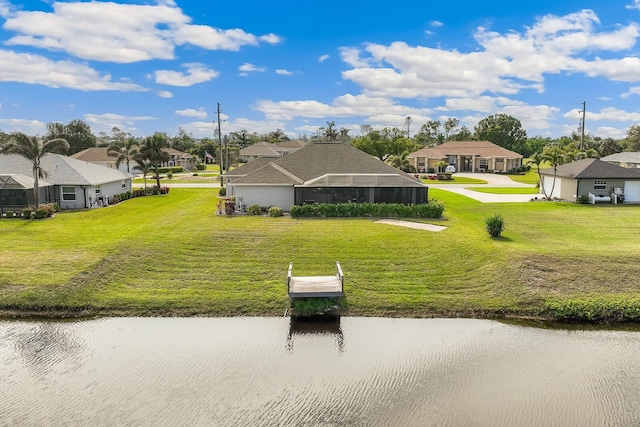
74	184
625	159
591	176
326	173
178	158
262	149
291	145
100	156
245	169
466	156
16	191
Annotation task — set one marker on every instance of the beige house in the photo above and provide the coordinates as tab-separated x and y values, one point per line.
626	159
270	151
466	156
100	156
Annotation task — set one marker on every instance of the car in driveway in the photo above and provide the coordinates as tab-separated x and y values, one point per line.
450	168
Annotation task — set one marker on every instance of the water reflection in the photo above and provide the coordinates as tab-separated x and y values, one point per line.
237	372
315	328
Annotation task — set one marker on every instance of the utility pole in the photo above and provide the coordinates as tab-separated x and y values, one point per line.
226	151
220	159
584	110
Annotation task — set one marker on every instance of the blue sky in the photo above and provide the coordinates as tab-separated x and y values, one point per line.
147	66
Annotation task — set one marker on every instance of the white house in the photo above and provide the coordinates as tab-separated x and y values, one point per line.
324	173
74	184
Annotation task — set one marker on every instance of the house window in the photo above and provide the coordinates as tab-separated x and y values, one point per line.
69	194
124	185
98	189
599	184
483	163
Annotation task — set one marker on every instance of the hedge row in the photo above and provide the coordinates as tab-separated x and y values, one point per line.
432	209
173	169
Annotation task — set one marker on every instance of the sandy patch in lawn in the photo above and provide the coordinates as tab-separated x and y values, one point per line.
411	224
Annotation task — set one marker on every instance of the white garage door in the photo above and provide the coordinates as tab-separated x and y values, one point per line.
548	186
632	191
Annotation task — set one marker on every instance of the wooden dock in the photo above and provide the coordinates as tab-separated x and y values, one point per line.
315	286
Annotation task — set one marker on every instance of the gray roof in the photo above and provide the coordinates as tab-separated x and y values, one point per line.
63	170
624	157
593	169
322	159
249	167
19	182
360	180
263	149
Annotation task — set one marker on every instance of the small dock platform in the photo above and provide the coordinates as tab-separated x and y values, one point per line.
315	286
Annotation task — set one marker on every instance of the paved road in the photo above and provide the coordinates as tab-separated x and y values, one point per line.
493	180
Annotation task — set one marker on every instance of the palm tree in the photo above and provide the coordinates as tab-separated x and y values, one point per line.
124	151
153	149
401	162
33	149
442	165
537	159
144	168
330	133
553	154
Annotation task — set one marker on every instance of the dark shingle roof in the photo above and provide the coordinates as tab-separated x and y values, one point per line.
316	160
252	166
593	169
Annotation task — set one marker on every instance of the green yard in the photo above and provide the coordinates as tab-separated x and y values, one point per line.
170	255
505	190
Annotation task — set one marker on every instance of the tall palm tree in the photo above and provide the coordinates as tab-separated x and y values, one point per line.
153	149
537	159
124	151
33	148
553	154
144	168
330	133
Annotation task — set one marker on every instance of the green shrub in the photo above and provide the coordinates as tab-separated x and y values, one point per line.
172	169
275	211
195	174
599	309
201	167
432	209
28	213
9	214
222	191
495	225
170	174
254	210
582	199
431	170
42	212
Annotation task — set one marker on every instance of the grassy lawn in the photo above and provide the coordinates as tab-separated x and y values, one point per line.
202	178
456	180
170	255
504	190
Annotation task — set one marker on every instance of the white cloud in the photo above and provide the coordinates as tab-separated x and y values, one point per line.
342	106
106	122
323	58
30	127
503	64
610	132
609	114
115	32
165	94
632	91
250	68
35	69
604	98
635	5
201	129
436	24
190	112
284	72
196	73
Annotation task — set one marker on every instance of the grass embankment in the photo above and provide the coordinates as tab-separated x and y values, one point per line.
170	255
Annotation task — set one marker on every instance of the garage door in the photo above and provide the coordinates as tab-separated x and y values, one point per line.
632	191
548	185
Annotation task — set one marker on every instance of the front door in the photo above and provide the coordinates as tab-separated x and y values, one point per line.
467	165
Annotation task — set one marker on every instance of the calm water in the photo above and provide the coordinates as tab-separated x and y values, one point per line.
361	371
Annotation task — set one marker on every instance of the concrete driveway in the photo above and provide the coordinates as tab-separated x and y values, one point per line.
493	180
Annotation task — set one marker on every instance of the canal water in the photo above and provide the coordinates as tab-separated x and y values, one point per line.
354	372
